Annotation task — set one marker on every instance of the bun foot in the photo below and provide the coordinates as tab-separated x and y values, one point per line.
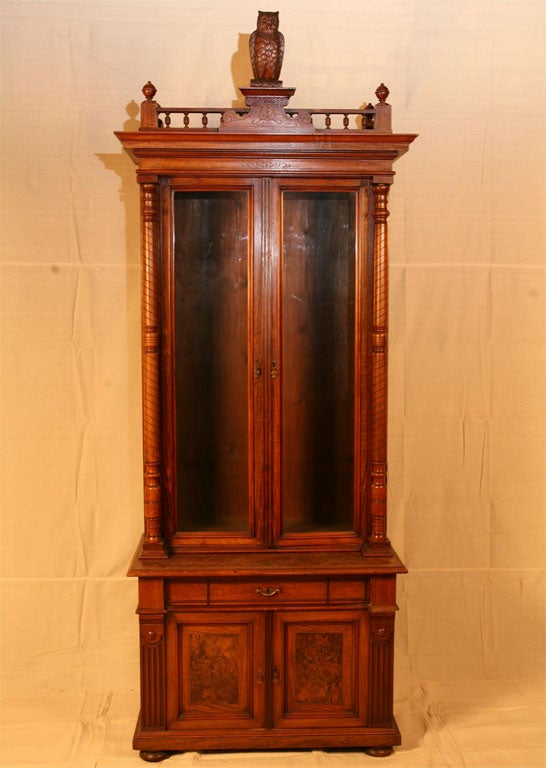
155	756
378	751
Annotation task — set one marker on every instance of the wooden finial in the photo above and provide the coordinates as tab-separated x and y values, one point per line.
383	111
149	90
148	108
382	93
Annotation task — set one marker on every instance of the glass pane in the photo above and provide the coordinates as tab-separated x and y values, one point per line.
211	317
318	339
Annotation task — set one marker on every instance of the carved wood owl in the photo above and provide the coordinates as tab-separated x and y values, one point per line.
266	49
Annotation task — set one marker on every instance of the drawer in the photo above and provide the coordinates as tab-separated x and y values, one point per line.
187	593
348	592
268	592
265	592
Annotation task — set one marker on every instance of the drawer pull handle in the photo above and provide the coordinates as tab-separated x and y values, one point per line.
268	592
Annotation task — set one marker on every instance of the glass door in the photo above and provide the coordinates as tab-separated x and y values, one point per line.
214	394
319	350
268	295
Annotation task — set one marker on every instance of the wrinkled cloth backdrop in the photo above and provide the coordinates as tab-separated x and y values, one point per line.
467	417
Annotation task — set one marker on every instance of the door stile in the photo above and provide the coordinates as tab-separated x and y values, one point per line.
257	328
169	475
361	372
269	666
275	384
271	350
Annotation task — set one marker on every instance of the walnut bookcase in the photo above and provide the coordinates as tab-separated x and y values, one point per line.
266	577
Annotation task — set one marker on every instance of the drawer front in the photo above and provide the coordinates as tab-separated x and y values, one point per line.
264	592
187	593
268	592
348	592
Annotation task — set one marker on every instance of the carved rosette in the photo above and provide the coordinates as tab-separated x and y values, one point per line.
153	540
378	542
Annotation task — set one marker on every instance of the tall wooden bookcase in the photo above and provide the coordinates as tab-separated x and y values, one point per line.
266	577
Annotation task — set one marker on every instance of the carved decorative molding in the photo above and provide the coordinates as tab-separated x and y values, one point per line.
378	542
381	672
382	631
152	672
213	668
266	114
153	539
319	668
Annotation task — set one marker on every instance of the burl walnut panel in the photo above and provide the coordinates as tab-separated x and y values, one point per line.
322	658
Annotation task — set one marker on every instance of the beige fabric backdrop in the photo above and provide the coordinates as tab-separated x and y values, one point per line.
467	413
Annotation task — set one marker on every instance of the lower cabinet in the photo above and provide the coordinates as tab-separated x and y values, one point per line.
266	664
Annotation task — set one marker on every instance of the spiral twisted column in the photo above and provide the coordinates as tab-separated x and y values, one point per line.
378	543
149	200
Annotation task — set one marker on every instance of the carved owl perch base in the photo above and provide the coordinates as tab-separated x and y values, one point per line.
266	113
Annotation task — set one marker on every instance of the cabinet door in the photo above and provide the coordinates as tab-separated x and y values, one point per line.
216	448
322	279
217	670
320	672
267	311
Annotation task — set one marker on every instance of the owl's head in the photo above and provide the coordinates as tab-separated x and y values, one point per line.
268	22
